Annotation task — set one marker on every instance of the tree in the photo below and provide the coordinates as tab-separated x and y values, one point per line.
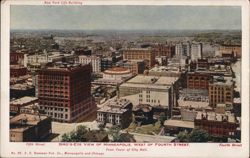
162	118
114	133
117	136
125	137
65	138
183	136
197	135
75	135
101	126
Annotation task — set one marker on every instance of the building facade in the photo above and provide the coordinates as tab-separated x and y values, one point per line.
116	112
232	51
94	60
16	105
196	51
64	92
220	125
140	53
221	90
164	50
197	80
106	63
29	128
182	50
16	71
158	92
16	58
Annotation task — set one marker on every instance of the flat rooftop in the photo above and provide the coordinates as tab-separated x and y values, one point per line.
222	80
179	123
137	49
212	116
122	103
23	100
28	119
115	110
144	79
193	104
163	69
21	86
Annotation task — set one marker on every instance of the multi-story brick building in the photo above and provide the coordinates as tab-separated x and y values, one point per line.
16	58
233	51
64	92
140	53
94	60
16	71
196	80
220	125
221	90
136	66
164	50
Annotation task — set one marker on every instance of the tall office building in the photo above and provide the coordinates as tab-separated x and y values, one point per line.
164	50
196	51
182	50
64	92
94	60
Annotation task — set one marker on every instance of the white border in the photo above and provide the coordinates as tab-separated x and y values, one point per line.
194	150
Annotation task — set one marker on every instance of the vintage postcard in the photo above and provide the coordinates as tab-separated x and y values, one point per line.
124	78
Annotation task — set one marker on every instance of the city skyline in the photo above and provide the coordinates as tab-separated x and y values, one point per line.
126	18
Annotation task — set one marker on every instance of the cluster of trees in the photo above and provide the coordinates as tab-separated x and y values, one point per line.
79	135
117	136
197	135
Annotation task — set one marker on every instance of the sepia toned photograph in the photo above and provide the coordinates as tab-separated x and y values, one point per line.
125	73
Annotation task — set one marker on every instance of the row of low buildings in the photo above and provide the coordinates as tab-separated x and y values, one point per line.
218	123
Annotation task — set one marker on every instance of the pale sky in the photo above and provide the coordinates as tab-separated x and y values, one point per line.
125	17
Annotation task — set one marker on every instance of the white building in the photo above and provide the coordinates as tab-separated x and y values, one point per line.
196	51
178	49
94	60
44	58
157	91
182	50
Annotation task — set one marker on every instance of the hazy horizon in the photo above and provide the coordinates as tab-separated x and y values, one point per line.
91	18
